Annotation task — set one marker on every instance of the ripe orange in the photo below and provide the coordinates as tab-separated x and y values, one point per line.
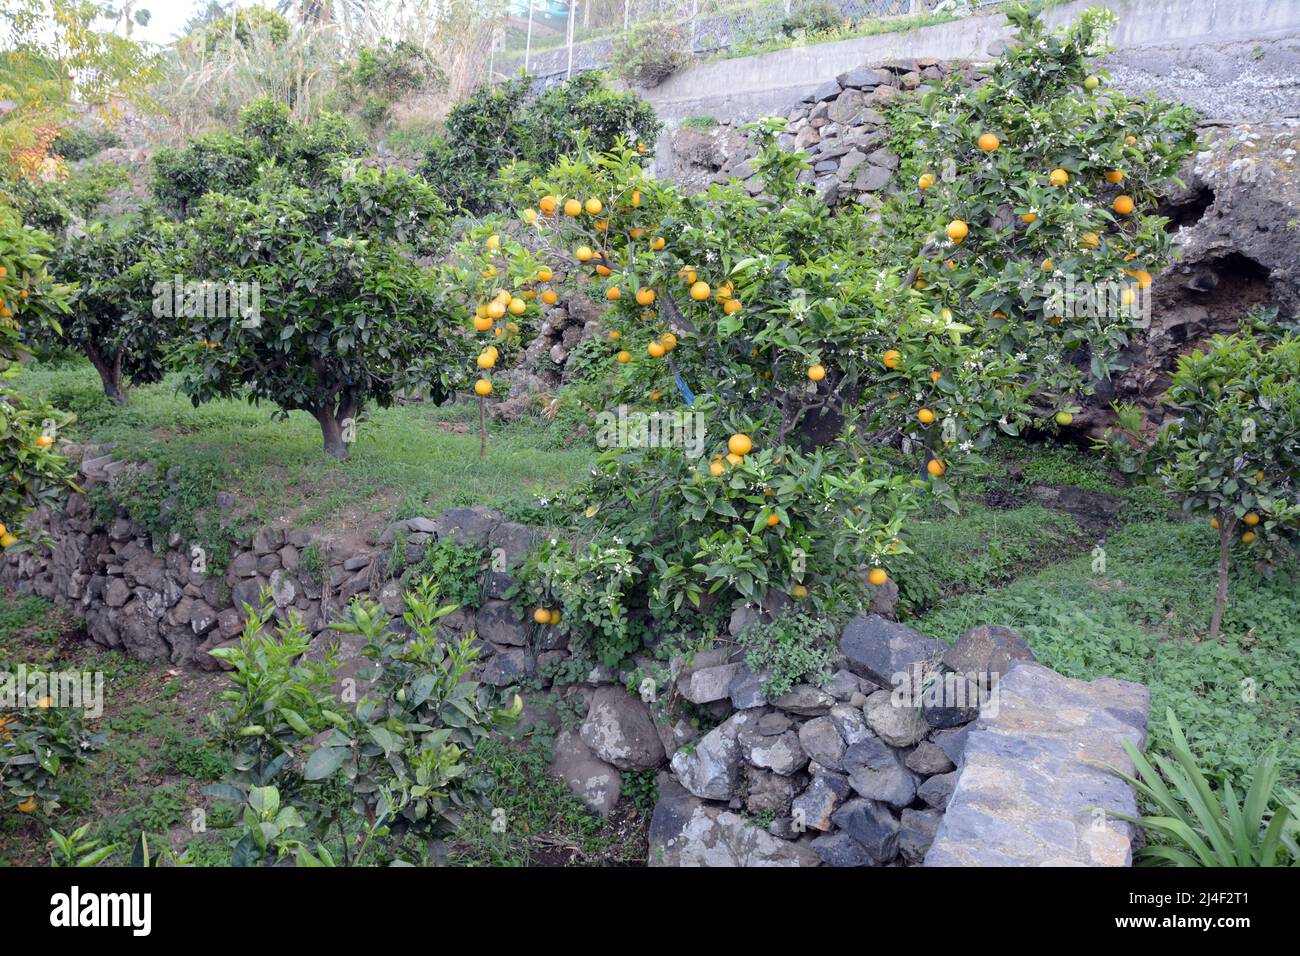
687	275
798	592
957	230
655	395
593	206
773	521
601	225
547	204
878	576
615	335
44	441
935	375
1115	176
482	323
817	372
989	142
935	467
700	291
926	416
1248	537
1089	240
517	306
1214	523
1029	217
892	358
483	387
1058	177
716	468
544	274
1122	205
656	349
731	306
1143	279
487	358
1250	518
7	540
1130	140
27	806
583	253
637	233
542	615
573	208
556	616
658	242
1047	265
636	197
530	215
668	340
549	297
926	181
645	296
604	270
494	242
613	294
739	444
623	357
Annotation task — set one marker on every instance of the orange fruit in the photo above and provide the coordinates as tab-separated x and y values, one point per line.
549	297
542	615
773	520
483	387
1122	205
817	372
482	323
731	306
544	274
734	459
1214	523
1143	279
27	806
645	296
926	416
657	243
1130	140
547	204
623	357
989	142
486	359
636	197
935	375
716	468
668	340
878	576
1115	176
1089	240
604	270
687	275
935	467
892	358
1047	265
1058	177
637	233
700	291
656	349
593	206
1029	217
613	294
573	208
1250	518
517	306
1248	537
655	395
957	230
615	335
739	444
583	253
798	592
925	181
44	441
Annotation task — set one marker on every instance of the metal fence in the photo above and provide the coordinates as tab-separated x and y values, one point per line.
553	39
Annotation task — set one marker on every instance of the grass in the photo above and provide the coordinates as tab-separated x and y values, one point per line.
1144	618
407	460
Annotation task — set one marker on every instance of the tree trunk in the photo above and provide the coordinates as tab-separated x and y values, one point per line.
1226	529
110	374
334	426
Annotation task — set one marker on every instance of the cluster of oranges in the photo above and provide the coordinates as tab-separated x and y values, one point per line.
7	313
1250	519
547	615
738	446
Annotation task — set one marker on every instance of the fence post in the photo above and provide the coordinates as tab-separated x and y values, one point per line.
568	72
528	43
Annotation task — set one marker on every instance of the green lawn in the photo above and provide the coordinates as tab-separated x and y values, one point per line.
407	460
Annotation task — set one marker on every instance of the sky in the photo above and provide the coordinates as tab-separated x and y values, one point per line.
169	16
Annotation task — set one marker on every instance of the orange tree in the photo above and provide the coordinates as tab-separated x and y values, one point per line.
1028	207
344	316
765	362
32	472
1232	454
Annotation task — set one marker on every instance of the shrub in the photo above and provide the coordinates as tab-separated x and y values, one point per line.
503	125
1232	456
382	74
811	17
1198	827
245	24
37	744
792	648
52	205
83	142
650	52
